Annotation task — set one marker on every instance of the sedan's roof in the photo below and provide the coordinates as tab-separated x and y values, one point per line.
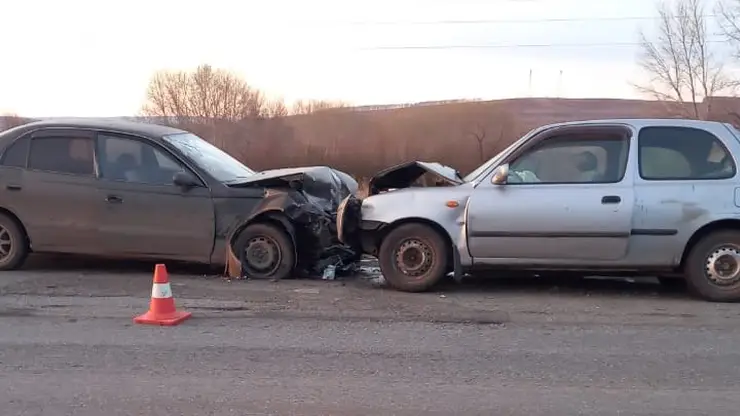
110	124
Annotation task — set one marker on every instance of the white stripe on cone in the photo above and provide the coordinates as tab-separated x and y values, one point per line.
161	291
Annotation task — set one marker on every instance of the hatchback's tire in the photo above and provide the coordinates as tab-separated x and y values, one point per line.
265	251
413	257
712	267
13	244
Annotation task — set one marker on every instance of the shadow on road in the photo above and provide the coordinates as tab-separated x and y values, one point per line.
68	262
638	286
481	284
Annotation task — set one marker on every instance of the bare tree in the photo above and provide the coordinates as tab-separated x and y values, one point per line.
312	106
683	68
728	12
204	94
276	108
488	128
479	134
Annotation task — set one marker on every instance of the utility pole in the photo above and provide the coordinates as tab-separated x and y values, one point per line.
530	82
560	84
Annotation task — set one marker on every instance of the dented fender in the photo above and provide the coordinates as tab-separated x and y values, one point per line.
304	202
411	204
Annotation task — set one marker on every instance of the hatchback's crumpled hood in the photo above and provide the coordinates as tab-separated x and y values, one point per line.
405	174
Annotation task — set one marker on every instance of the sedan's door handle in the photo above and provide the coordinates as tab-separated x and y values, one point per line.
13	187
113	199
611	199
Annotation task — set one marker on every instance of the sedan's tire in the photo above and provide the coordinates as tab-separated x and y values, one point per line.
13	244
712	267
413	257
265	251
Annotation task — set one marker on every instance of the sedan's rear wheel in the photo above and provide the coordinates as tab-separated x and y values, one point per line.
713	267
413	257
265	251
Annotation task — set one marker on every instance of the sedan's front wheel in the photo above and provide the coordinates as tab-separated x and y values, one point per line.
265	251
413	257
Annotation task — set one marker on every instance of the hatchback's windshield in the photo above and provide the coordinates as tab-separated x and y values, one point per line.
490	162
210	158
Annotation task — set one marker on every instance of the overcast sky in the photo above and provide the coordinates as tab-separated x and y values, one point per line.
94	58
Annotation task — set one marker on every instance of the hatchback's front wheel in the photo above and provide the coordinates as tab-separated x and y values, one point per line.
713	267
413	257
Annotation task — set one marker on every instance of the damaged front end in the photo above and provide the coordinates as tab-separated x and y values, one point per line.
413	174
305	202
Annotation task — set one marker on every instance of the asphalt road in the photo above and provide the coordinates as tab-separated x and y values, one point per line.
496	347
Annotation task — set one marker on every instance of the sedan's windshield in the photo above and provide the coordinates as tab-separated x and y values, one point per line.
210	158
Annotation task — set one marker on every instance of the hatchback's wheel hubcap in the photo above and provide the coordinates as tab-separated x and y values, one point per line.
723	266
414	258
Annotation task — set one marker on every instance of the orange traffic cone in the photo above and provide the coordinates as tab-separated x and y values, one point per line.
162	307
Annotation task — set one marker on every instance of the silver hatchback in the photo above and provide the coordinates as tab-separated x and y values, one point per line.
637	196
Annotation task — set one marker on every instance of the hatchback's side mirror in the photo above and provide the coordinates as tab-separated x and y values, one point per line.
500	175
185	180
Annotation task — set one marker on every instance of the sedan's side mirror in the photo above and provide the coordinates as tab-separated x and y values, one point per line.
500	175
185	180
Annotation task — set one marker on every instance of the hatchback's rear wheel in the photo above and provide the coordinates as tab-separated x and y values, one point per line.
413	257
713	267
13	244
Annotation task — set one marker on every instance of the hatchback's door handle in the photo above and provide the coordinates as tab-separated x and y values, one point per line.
114	199
611	199
13	187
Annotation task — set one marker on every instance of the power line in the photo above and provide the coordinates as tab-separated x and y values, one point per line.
501	21
512	46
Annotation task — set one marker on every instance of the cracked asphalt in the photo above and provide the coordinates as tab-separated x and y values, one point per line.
298	347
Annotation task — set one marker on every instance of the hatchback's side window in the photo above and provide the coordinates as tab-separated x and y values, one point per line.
73	155
16	154
683	153
572	159
132	160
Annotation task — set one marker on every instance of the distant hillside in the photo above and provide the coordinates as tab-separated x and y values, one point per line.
362	140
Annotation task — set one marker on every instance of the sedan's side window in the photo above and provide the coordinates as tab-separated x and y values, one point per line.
572	159
70	155
134	161
682	153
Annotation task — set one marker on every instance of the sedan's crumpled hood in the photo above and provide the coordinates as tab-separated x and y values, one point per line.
322	182
405	174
